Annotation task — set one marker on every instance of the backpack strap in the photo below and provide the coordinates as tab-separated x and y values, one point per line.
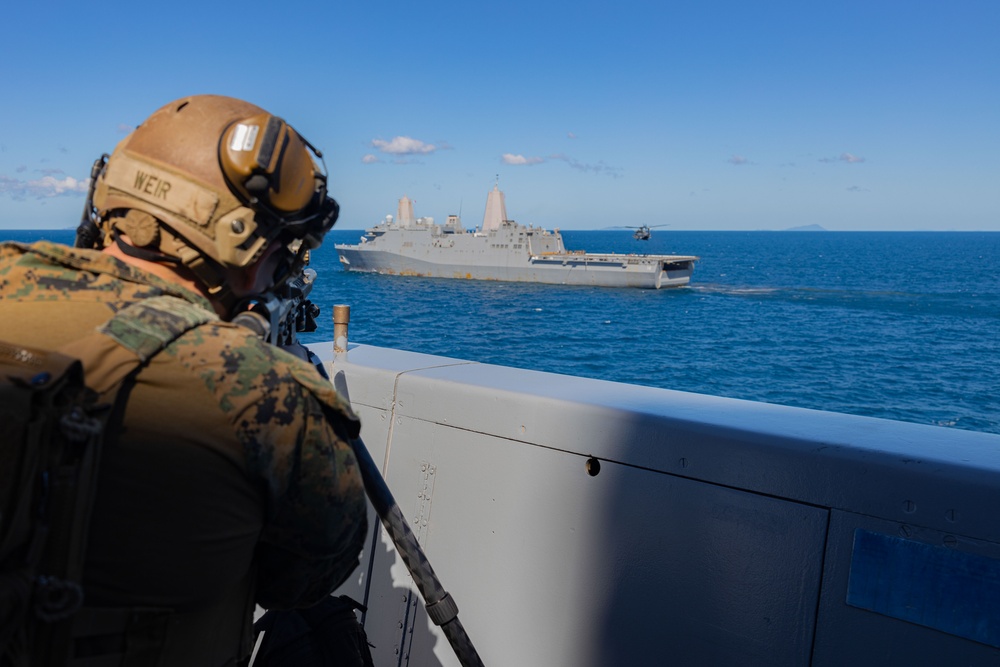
39	394
111	355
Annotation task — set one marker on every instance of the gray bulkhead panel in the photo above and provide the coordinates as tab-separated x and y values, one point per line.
551	566
717	531
888	618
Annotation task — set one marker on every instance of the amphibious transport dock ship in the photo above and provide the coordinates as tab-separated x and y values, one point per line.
501	249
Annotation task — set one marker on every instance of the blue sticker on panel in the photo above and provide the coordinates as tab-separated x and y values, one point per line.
933	586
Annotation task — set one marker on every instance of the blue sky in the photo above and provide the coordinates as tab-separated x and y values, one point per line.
873	115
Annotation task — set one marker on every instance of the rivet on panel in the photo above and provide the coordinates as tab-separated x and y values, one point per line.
950	541
909	506
905	531
951	516
593	467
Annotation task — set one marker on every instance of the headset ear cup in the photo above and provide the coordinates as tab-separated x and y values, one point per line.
265	162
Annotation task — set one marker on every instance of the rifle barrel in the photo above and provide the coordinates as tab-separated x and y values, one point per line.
440	607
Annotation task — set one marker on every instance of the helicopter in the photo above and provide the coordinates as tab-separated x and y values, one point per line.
642	232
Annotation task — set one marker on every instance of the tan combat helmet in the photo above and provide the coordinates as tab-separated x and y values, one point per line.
209	182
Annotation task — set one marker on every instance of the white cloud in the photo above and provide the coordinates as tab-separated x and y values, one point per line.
510	158
599	168
738	160
403	146
43	188
570	135
370	159
844	157
57	187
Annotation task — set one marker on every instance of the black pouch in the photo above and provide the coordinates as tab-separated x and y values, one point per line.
321	636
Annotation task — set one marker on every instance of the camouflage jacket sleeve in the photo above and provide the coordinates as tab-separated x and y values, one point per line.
295	432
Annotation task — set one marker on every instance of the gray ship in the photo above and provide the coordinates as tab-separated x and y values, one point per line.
501	249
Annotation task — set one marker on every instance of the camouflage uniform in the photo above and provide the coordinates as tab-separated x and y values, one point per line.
232	480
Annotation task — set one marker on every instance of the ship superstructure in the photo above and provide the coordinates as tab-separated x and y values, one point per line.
501	249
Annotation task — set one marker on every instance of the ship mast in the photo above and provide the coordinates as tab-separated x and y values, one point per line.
496	210
404	213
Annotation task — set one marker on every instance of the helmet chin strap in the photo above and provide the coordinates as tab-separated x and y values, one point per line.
211	275
216	281
141	253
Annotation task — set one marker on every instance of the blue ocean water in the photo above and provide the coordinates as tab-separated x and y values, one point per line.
887	324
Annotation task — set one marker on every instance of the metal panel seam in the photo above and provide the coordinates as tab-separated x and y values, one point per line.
819	591
632	466
392	409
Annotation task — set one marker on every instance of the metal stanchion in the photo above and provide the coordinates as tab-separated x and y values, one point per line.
341	321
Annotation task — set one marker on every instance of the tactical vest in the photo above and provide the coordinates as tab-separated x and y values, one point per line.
52	430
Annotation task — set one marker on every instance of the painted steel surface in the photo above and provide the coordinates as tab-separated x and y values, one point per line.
715	531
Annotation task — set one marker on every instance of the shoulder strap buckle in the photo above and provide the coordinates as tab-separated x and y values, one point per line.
56	599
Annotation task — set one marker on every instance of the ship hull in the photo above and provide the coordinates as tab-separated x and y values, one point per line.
568	269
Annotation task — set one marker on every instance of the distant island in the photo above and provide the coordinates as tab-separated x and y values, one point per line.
806	228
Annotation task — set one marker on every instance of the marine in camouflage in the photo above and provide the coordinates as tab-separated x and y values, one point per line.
232	476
